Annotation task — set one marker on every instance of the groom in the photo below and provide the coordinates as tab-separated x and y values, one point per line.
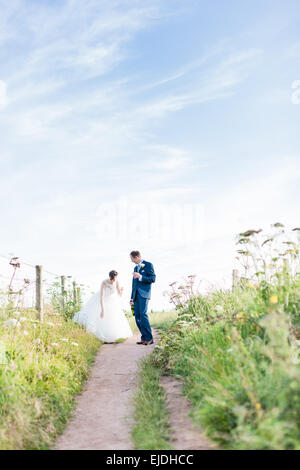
143	277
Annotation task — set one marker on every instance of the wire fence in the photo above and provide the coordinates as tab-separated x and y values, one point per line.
25	285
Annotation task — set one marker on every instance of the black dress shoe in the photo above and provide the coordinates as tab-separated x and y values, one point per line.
140	342
148	342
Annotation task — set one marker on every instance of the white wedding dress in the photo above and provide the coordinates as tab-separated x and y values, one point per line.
113	325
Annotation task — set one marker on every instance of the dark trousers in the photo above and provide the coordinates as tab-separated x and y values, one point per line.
141	317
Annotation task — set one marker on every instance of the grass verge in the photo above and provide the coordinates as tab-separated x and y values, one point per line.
238	352
151	430
42	368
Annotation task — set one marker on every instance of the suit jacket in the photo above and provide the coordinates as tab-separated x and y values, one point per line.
148	277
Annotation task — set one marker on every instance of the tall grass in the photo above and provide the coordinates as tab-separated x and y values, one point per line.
239	352
42	367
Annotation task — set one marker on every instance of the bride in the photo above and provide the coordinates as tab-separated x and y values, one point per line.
102	314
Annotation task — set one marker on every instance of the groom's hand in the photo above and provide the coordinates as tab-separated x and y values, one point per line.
131	302
137	275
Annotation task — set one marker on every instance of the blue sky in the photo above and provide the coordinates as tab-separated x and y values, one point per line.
161	106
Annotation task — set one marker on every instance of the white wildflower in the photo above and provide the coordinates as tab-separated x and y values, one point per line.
65	340
55	344
75	344
219	308
12	322
25	333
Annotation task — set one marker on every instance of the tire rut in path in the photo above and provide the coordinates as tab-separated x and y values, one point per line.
101	420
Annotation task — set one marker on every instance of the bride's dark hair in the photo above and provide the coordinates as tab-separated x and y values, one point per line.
113	275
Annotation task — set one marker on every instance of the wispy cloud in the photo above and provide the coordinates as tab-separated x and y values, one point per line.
168	158
86	38
217	81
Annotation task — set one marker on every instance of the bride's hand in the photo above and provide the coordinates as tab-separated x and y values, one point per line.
102	314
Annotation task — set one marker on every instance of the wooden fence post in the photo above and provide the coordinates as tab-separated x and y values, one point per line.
74	293
235	278
39	292
63	291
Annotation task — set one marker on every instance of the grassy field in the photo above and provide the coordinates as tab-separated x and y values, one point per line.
42	368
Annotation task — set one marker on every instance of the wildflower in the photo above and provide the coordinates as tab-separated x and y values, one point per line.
251	286
240	315
25	333
12	322
22	319
50	323
38	341
258	406
274	299
55	344
229	350
75	344
64	339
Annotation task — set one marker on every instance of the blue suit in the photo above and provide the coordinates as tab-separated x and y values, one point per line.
141	293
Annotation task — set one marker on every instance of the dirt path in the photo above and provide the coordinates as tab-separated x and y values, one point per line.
101	418
185	436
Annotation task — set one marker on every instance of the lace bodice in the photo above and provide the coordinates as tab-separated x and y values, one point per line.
109	288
